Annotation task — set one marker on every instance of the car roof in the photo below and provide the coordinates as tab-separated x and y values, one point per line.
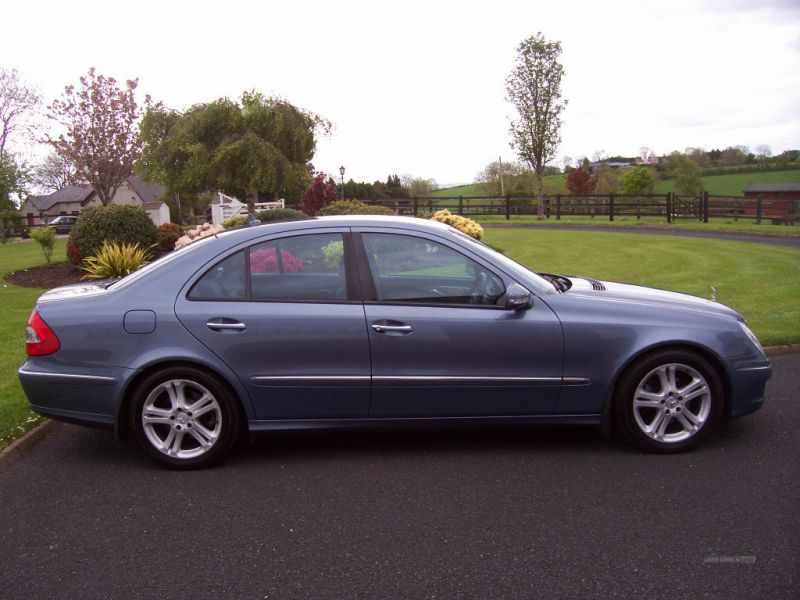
409	223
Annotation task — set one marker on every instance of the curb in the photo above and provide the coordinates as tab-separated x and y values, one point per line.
19	447
781	350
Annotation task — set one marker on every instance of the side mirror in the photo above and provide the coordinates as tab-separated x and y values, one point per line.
517	297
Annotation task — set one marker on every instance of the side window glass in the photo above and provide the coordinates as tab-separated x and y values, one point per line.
411	269
225	280
307	267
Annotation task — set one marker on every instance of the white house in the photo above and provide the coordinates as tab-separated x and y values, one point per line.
74	199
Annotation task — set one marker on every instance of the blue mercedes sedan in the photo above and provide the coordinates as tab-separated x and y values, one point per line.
353	322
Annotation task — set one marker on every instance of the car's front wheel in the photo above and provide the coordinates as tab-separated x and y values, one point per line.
669	401
183	417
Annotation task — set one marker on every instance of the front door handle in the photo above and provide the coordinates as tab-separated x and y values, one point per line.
226	326
382	328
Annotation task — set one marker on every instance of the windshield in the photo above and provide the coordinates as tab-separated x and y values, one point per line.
524	275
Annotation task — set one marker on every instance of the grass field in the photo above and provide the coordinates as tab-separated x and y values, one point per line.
719	185
762	282
733	184
17	303
721	224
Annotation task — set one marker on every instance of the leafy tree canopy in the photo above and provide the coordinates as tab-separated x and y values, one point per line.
101	141
534	88
637	181
259	144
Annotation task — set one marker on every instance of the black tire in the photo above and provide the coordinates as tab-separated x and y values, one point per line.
174	435
669	401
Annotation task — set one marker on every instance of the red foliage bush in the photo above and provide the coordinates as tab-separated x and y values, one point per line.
320	194
581	182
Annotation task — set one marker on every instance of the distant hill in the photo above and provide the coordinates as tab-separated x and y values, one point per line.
718	185
734	184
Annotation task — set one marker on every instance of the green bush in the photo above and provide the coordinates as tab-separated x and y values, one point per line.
168	234
354	207
46	238
281	214
119	223
235	221
115	260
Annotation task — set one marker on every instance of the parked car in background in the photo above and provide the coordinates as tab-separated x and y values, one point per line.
64	223
343	322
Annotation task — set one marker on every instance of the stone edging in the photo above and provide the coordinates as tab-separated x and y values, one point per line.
19	447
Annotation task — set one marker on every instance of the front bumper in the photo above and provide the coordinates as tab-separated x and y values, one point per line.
749	377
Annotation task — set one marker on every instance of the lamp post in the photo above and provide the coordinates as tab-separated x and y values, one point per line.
341	172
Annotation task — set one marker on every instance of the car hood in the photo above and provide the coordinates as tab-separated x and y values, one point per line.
610	291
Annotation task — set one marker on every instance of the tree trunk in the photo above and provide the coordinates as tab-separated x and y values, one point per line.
540	190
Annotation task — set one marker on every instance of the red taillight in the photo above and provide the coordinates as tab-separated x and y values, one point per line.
41	339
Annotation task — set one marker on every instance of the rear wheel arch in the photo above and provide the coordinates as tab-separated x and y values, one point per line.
122	427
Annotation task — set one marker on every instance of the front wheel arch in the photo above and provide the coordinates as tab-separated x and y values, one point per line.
609	424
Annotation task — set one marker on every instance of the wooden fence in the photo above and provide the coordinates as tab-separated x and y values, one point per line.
668	206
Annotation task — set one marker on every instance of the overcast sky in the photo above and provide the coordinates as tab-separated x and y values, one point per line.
418	87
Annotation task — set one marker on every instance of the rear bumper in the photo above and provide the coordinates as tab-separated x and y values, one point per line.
75	393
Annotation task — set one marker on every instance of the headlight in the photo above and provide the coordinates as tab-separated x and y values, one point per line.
751	335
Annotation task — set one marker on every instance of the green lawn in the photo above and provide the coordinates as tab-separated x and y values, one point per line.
721	224
762	282
17	303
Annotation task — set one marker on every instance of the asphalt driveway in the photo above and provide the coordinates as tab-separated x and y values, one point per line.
548	513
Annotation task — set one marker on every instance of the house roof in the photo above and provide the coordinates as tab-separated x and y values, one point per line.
148	192
71	193
773	187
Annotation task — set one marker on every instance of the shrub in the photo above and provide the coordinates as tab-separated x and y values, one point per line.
115	260
168	234
123	224
463	224
281	214
46	238
354	207
235	221
201	231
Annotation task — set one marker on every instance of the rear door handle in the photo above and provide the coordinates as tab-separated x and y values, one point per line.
379	328
226	326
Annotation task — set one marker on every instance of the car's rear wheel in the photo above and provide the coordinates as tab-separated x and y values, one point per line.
669	401
184	417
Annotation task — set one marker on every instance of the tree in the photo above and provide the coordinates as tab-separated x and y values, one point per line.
581	182
257	146
101	121
608	180
18	103
518	180
686	174
732	156
418	187
763	152
54	173
534	88
319	194
14	180
637	181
